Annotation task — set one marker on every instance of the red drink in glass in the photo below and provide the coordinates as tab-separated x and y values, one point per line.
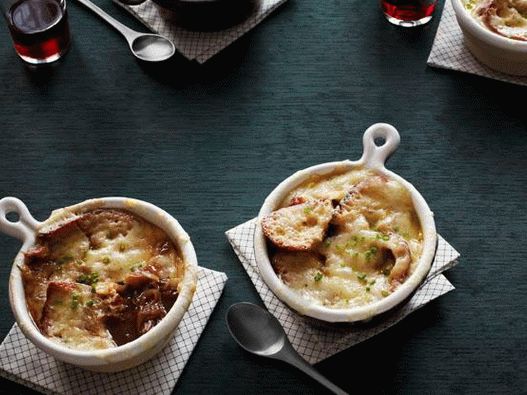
408	13
39	29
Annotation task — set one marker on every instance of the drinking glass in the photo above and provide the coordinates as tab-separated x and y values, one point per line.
39	28
408	13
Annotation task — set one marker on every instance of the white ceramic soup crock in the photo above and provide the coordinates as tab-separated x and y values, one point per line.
493	50
115	359
374	158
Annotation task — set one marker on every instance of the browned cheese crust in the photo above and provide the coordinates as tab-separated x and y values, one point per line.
101	279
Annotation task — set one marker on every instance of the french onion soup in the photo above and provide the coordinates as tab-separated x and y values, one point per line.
508	18
345	239
101	279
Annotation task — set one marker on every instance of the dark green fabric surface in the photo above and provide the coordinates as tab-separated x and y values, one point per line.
208	143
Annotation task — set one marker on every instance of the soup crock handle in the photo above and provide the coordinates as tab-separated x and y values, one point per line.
25	227
375	156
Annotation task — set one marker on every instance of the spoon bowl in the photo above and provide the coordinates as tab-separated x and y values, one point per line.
244	320
259	332
152	47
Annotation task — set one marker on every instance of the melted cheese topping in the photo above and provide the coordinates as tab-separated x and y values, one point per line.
504	17
101	274
371	247
69	320
334	186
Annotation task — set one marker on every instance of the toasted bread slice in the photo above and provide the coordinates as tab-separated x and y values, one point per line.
100	225
299	227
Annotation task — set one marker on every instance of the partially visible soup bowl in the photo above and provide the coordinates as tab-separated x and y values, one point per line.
128	355
373	158
498	52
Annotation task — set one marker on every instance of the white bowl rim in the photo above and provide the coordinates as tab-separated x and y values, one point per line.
373	158
28	227
473	26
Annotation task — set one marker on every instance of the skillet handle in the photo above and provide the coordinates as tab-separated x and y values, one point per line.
25	227
374	156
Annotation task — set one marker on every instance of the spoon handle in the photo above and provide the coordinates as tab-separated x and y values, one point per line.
290	356
128	33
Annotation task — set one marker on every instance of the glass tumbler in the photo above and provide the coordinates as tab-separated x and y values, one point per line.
39	28
408	13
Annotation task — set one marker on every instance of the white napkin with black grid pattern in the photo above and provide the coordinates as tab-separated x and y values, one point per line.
316	342
449	51
197	45
24	363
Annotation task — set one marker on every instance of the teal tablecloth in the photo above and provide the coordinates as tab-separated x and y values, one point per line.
207	143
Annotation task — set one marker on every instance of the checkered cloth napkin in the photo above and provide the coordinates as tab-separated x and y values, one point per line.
316	341
199	46
22	362
449	51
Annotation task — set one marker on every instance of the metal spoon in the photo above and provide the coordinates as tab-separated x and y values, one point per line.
259	332
145	46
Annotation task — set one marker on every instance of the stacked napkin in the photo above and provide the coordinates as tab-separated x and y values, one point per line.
449	51
24	363
195	45
316	342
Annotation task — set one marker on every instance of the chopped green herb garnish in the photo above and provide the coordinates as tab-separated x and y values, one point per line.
106	260
308	210
368	289
382	236
88	279
75	300
384	293
372	251
361	277
318	276
372	282
352	242
90	303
